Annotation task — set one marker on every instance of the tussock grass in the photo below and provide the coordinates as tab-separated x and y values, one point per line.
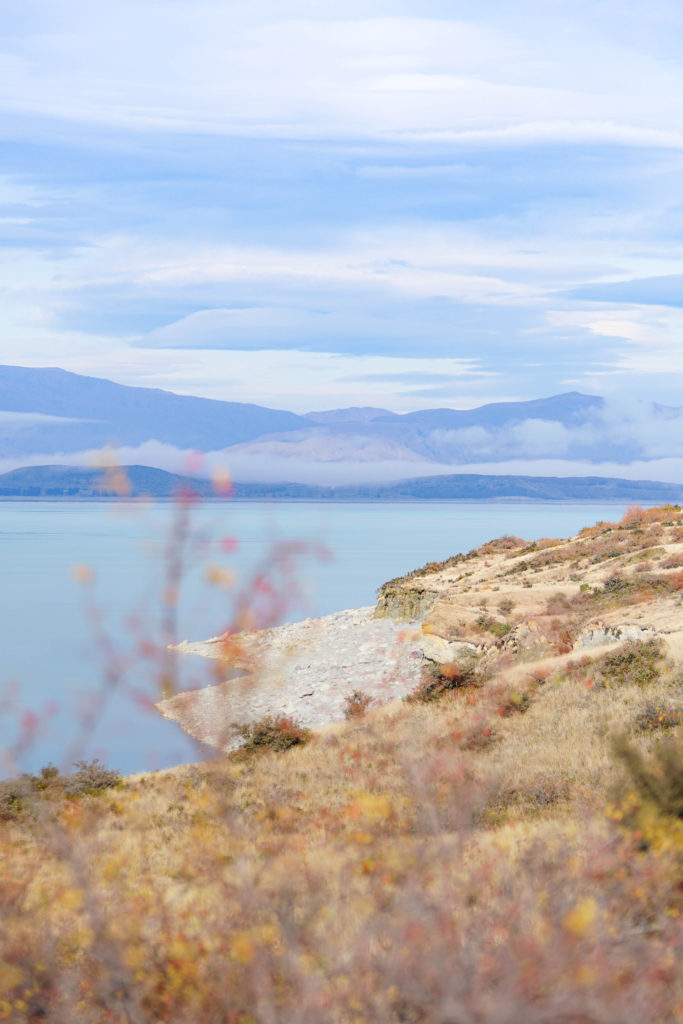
492	853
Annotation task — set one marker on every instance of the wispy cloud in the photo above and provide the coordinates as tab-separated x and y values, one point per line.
492	191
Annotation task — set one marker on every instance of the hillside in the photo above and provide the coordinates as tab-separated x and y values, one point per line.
505	845
73	482
90	413
48	412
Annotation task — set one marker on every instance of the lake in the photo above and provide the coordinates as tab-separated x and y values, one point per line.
88	587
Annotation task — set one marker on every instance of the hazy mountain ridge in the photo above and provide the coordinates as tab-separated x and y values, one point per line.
69	482
89	414
84	482
115	413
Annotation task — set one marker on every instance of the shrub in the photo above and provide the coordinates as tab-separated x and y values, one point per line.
616	584
441	679
657	714
487	624
675	581
356	704
272	732
507	542
15	795
636	662
478	737
91	778
18	796
513	702
529	799
659	780
48	777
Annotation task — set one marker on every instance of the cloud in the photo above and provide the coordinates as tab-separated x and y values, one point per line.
17	420
244	468
611	433
186	188
655	291
306	72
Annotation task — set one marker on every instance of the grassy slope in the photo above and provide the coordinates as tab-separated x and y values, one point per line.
478	858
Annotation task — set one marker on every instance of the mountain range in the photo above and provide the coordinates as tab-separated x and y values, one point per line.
70	482
49	415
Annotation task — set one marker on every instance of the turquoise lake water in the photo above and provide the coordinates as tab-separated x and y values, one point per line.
71	652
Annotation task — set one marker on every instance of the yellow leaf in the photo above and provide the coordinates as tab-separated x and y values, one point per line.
242	948
70	899
112	867
361	837
10	977
374	806
582	917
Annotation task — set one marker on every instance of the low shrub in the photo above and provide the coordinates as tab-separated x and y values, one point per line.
507	542
513	702
356	704
272	732
480	736
675	581
489	625
529	799
439	680
636	662
655	715
15	797
91	778
19	797
658	779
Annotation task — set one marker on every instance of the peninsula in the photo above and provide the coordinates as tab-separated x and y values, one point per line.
463	804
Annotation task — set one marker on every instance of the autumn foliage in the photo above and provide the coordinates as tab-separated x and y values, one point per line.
489	851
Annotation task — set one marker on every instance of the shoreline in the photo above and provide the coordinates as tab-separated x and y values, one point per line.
304	670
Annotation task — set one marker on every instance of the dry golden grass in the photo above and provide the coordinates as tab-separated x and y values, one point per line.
482	858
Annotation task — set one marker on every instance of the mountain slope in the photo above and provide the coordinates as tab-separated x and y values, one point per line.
57	482
109	412
46	412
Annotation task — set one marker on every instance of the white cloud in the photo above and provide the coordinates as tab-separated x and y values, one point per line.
12	421
618	434
230	68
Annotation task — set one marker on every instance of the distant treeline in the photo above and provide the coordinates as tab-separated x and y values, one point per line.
72	482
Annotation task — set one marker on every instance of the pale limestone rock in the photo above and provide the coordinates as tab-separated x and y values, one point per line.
596	634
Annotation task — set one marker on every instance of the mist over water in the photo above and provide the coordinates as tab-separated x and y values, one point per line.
54	631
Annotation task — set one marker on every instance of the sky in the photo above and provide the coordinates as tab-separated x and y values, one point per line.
311	205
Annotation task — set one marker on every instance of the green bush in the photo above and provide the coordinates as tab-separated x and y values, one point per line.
491	625
638	661
659	779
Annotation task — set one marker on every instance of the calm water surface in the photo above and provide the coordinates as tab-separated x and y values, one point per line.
60	639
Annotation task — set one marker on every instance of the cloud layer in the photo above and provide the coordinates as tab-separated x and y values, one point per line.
309	206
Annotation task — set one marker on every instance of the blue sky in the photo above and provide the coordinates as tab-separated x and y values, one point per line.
310	205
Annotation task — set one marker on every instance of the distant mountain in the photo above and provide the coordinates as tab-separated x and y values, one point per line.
478	487
67	482
45	413
570	408
569	426
355	414
93	413
80	482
